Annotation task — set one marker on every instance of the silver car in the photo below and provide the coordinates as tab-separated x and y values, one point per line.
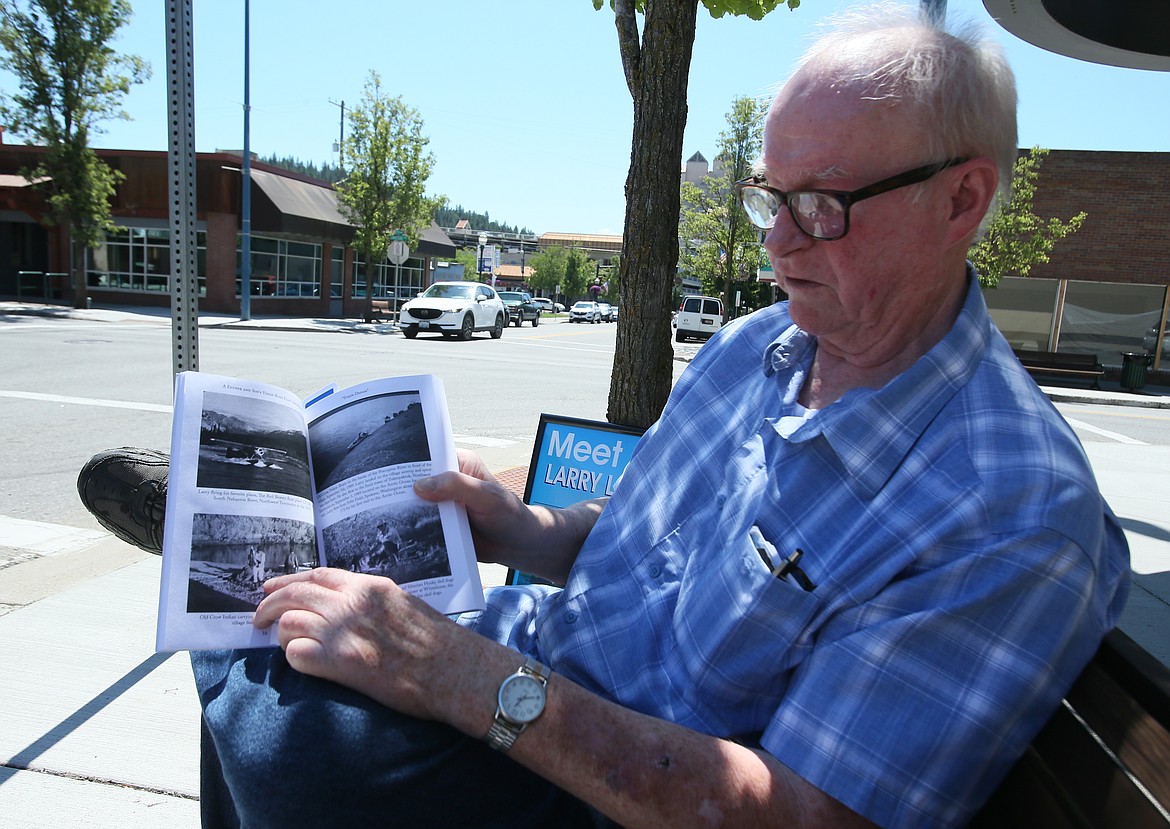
585	311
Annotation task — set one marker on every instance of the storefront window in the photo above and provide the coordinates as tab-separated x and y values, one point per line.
1023	309
1101	318
403	281
281	268
139	259
1107	319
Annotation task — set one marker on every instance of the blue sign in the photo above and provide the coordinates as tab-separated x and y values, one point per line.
577	459
573	460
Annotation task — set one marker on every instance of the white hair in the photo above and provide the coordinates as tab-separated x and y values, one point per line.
958	86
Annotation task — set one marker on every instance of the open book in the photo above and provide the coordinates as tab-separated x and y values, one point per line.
262	483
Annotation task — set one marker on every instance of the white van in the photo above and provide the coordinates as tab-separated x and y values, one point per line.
698	316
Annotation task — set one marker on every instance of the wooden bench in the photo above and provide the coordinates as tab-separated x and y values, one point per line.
1103	760
379	311
1061	364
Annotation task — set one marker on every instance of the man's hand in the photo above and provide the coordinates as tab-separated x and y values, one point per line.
507	531
499	520
365	632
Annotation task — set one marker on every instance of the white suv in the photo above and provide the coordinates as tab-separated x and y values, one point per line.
455	309
699	317
585	311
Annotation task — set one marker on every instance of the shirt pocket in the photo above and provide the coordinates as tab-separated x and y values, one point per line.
740	632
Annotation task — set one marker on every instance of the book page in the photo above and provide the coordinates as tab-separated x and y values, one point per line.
239	510
369	443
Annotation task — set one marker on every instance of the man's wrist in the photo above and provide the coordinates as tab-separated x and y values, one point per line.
520	701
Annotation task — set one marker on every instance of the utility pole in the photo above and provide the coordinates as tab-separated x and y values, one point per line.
341	138
246	186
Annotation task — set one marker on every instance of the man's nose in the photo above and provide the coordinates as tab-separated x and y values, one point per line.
784	236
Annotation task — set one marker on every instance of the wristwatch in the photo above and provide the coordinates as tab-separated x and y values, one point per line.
519	701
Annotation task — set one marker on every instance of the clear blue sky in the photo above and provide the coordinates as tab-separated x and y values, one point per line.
524	100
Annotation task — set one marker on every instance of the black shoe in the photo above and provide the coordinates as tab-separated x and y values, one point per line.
126	490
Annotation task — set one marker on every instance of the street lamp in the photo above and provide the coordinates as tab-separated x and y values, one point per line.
479	261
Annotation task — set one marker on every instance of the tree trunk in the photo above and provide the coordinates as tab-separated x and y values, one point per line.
77	266
369	285
657	71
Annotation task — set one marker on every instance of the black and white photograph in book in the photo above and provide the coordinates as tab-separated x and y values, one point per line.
233	555
252	444
371	433
407	545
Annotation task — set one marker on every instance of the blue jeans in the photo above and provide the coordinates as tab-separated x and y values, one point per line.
294	751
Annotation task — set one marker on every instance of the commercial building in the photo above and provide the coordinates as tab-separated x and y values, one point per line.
301	260
1105	291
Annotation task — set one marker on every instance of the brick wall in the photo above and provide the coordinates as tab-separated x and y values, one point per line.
1126	235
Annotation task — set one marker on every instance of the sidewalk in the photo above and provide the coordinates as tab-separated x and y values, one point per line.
99	731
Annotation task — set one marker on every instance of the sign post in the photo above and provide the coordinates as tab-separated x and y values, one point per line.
397	252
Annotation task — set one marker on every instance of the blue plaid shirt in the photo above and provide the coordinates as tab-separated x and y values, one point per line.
965	564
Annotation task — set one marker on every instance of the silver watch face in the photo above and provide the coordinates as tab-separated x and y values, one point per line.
521	698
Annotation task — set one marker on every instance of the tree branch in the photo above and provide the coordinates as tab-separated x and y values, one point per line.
628	44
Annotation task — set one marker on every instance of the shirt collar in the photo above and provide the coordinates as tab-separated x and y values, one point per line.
788	358
872	430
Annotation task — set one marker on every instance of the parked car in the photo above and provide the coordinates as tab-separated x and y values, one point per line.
698	317
1150	342
547	305
605	311
585	311
521	307
455	309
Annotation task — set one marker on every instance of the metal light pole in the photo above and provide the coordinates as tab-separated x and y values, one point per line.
246	204
479	261
341	136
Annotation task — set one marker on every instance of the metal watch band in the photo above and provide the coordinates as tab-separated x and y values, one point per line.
503	733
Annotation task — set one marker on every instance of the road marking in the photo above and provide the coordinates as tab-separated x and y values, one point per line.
45	539
1105	433
75	325
470	440
87	401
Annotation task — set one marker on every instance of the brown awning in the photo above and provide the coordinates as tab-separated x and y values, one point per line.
434	242
310	211
298	208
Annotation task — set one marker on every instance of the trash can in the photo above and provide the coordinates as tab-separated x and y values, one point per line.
1133	369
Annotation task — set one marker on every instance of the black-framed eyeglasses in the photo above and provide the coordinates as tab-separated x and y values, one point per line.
822	214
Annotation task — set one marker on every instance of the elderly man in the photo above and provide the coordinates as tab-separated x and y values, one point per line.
957	565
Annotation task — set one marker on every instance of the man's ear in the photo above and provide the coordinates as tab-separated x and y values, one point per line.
973	186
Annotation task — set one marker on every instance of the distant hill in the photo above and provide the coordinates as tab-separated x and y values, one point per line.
444	217
326	172
450	216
